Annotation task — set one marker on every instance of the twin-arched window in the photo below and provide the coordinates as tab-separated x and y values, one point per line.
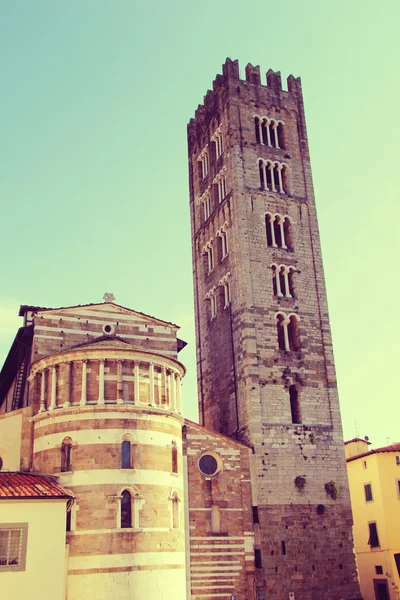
278	229
288	332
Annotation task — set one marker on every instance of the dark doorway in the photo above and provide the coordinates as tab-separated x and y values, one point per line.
381	589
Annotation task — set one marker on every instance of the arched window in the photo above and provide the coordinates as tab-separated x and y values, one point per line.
282	280
294	404
126	509
287	232
257	128
288	335
277	233
268	226
281	138
126	455
293	333
262	174
290	281
281	331
174	456
284	180
66	455
266	133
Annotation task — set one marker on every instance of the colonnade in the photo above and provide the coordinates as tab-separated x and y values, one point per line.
163	391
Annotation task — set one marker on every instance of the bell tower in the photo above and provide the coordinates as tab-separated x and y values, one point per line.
264	350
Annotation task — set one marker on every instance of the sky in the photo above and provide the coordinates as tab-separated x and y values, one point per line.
96	96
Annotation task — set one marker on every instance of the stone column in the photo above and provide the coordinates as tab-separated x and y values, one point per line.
43	391
120	399
260	133
281	190
283	245
285	324
178	394
173	391
101	381
151	383
264	168
53	398
164	386
286	277
271	169
136	381
271	222
278	282
84	382
267	124
275	128
67	384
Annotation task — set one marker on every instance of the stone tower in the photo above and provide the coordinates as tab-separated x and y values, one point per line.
265	361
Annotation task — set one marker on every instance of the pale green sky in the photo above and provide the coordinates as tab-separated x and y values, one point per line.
95	100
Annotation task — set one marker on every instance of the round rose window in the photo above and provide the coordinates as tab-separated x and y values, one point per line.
208	465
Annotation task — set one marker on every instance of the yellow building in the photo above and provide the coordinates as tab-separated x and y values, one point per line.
32	536
374	478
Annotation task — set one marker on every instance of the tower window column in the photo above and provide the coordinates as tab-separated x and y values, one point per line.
217	139
288	335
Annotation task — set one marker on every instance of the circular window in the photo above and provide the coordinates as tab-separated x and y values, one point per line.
208	465
1	463
108	329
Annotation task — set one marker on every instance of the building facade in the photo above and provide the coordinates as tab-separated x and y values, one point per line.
374	479
161	506
264	350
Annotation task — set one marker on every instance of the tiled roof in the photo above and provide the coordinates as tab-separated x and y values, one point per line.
357	439
390	448
29	485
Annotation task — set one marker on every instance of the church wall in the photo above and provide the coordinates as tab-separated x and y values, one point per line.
16	440
220	517
105	559
59	329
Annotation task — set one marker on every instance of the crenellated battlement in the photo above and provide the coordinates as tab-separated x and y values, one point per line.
231	76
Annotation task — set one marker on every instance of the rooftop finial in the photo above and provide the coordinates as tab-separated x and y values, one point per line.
108	297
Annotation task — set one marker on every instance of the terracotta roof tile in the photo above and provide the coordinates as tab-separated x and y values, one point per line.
29	485
357	439
390	448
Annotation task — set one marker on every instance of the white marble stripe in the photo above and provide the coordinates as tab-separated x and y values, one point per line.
104	561
121	477
201	546
105	531
215	537
111	316
218	552
92	333
225	569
